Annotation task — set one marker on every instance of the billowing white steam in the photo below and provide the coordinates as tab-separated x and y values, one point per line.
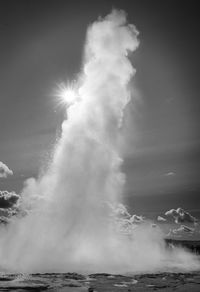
69	227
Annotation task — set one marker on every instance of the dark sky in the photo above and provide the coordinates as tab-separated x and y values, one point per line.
41	45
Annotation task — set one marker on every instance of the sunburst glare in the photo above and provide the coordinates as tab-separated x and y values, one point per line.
67	94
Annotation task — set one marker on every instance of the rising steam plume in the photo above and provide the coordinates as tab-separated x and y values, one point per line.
69	227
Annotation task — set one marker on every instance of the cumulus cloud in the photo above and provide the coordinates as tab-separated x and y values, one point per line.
7	212
4	170
137	219
127	225
8	199
161	219
120	210
181	216
123	221
8	206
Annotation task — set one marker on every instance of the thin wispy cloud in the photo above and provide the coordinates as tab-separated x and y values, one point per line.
170	173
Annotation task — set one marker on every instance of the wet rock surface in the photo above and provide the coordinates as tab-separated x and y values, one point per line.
71	282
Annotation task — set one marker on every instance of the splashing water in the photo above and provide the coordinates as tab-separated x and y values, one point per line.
68	227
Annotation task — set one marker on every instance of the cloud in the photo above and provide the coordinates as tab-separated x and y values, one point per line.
137	219
8	206
122	220
4	170
171	173
128	225
4	220
7	212
121	210
181	216
182	231
186	229
162	219
8	199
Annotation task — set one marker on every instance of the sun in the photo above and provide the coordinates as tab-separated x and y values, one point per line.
67	94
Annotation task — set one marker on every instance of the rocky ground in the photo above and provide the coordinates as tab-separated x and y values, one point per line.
72	282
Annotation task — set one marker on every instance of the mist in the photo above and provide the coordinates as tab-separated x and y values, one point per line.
68	224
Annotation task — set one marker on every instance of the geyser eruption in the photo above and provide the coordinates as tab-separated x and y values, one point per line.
68	226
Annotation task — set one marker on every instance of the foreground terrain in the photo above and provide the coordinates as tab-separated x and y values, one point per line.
72	282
